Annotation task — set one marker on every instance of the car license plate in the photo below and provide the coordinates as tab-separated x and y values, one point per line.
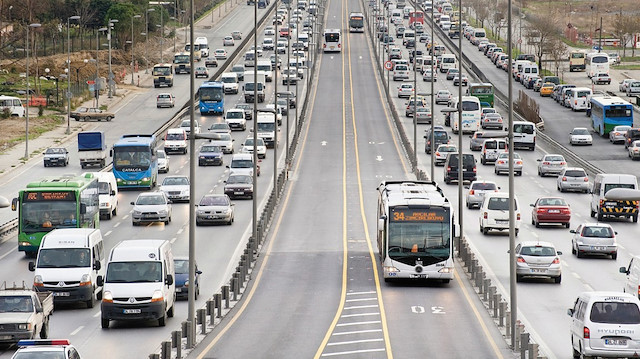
598	248
554	211
5	337
131	311
178	290
148	216
238	193
502	221
615	342
419	276
538	270
61	294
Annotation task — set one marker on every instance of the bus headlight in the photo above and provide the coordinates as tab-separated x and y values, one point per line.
446	270
391	269
145	179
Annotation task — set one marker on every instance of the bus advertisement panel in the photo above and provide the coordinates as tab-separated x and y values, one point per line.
609	112
415	228
135	164
66	201
211	97
356	22
483	91
332	41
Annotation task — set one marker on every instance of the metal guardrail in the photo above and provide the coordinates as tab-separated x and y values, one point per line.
8	227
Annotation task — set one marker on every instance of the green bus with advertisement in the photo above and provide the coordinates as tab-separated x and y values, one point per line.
483	91
67	201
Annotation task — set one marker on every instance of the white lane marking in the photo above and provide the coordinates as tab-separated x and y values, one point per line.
323	143
125	216
78	329
358	293
576	275
361	307
359	314
358	332
109	232
578	215
361	300
173	241
353	352
378	158
621	247
116	225
356	341
97	314
532	233
590	288
358	323
182	229
6	254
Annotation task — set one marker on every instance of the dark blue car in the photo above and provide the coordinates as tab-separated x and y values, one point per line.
182	277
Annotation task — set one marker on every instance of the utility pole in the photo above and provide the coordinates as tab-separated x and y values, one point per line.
132	59
111	75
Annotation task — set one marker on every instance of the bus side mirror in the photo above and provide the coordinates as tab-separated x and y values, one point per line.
14	204
100	281
83	208
113	192
381	224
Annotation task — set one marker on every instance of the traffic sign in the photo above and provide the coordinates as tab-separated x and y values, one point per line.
388	65
69	94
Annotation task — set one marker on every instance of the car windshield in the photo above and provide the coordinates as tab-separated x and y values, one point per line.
19	304
225	137
214	201
134	272
55	151
249	142
538	251
175	137
235	114
241	164
219	126
615	313
210	149
181	266
150	200
175	181
580	131
64	258
239	179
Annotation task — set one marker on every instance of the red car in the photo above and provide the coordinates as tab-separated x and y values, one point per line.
284	32
551	210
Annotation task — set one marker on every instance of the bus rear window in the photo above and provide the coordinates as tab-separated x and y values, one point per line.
331	37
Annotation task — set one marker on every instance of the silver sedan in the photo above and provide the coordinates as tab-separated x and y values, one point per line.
477	190
502	164
551	165
617	134
214	208
538	259
573	179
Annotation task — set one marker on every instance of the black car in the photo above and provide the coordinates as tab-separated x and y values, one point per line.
440	137
239	186
248	110
469	171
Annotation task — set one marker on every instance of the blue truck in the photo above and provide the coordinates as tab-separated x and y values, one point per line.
92	149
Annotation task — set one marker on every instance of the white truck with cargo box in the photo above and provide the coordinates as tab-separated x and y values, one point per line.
615	195
248	88
203	43
68	264
92	149
266	128
24	313
140	282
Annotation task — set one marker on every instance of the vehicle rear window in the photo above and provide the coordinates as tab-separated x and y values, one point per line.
575	173
597	232
499	204
633	133
538	251
440	135
484	186
490	145
610	186
523	128
615	313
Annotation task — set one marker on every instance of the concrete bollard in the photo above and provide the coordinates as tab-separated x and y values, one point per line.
492	292
507	324
218	299
524	345
211	309
480	282
185	328
202	319
502	306
234	279
225	290
154	356
165	350
533	350
190	334
176	342
518	337
485	288
496	300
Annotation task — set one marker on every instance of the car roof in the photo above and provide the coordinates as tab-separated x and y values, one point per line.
537	243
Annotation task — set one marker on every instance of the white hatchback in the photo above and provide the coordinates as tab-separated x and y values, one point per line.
494	213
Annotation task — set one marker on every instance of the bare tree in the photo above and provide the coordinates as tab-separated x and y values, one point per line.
541	31
557	52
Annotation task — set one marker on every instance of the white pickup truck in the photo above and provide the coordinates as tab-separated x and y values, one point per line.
24	314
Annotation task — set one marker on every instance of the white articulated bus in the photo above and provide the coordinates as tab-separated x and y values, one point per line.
332	40
415	231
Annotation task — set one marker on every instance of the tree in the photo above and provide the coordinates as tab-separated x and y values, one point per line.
123	13
541	31
558	52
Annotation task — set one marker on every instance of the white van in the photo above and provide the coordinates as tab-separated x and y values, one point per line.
579	98
242	163
632	282
175	141
230	82
396	14
108	193
249	59
527	69
491	148
448	61
400	72
13	105
203	45
603	183
605	324
494	212
139	283
68	264
265	67
524	135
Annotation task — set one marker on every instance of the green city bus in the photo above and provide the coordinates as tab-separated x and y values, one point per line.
483	91
67	201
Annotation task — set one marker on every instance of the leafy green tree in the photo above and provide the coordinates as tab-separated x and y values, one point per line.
123	12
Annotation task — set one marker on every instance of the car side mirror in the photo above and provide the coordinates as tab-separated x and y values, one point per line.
570	312
532	205
227	166
624	270
133	203
100	281
615	232
97	265
572	231
169	280
32	266
559	253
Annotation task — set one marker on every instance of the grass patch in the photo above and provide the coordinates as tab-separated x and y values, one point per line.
628	67
14	129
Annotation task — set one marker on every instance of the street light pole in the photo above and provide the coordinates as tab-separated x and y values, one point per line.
26	137
512	256
192	173
110	76
146	44
76	17
433	80
460	155
98	82
132	68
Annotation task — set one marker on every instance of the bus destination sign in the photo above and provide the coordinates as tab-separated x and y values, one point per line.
417	215
49	196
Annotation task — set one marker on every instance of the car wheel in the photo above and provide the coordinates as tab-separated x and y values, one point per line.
162	321
614	256
557	279
518	278
104	323
519	173
485	230
537	224
579	254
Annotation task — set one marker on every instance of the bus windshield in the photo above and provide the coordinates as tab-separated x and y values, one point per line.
214	94
419	239
181	59
45	216
331	37
161	71
131	158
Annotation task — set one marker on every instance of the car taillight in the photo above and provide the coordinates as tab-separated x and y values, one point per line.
546	163
521	260
566	211
472	192
556	261
563	163
541	210
518	162
586	179
437	153
339	45
518	216
449	168
639	291
586	333
564	179
485	215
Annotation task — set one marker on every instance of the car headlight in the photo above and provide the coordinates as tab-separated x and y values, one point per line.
24	326
157	296
37	280
163	212
107	297
85	280
136	212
